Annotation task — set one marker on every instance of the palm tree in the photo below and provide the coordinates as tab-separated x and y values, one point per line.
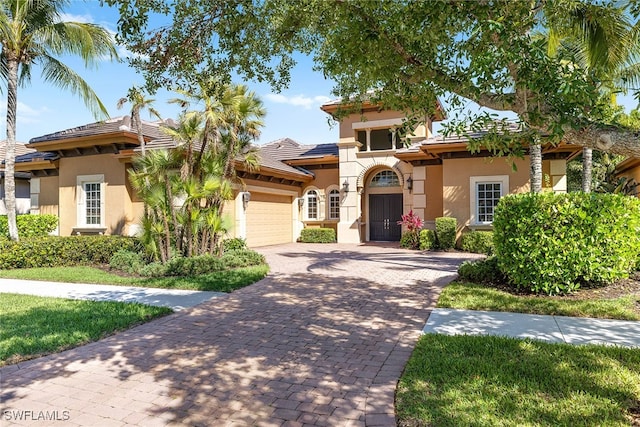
31	32
138	101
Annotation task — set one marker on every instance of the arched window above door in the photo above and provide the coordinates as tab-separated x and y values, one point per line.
385	178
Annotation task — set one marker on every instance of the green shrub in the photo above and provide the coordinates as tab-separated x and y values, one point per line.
482	271
446	232
234	244
552	243
242	258
318	235
408	240
154	269
30	225
193	266
128	261
427	240
53	251
479	242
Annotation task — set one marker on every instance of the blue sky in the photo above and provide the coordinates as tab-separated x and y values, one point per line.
293	113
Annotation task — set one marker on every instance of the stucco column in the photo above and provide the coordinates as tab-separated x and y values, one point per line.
349	225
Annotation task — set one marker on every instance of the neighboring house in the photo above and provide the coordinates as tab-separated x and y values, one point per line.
360	186
23	200
630	169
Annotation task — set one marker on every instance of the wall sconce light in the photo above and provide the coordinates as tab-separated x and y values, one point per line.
300	202
409	183
345	186
246	196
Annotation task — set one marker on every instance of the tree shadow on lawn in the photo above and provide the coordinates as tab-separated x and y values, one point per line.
303	347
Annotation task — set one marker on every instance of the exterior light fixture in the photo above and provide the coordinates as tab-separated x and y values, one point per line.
345	186
300	202
409	183
246	196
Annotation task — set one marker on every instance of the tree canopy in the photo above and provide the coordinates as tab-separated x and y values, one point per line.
402	54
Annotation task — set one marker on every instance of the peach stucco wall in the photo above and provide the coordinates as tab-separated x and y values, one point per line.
117	202
48	196
456	189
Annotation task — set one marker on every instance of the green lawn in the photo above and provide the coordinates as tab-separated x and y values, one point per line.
496	381
470	296
33	326
223	281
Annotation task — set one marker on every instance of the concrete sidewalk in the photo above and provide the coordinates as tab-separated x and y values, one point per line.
556	329
174	298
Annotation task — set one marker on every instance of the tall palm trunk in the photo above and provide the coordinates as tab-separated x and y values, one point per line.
535	159
10	157
587	168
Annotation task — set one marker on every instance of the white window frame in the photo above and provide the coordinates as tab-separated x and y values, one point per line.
503	180
333	192
81	196
307	204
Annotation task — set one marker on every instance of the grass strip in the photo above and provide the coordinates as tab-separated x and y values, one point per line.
470	296
222	281
32	326
496	381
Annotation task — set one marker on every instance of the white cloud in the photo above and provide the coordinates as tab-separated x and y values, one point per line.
68	17
303	101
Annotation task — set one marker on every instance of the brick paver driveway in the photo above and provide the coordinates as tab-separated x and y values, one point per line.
321	341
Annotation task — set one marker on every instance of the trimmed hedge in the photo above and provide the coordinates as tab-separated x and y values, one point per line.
479	242
553	243
234	244
446	232
427	240
30	225
318	235
481	271
204	264
53	251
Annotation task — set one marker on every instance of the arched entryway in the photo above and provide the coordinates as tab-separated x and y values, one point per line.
384	203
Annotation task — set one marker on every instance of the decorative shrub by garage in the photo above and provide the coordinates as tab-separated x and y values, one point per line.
30	225
554	243
318	235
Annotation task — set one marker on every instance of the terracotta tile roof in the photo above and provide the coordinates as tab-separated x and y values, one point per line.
116	124
20	149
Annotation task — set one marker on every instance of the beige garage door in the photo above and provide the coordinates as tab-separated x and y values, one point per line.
269	219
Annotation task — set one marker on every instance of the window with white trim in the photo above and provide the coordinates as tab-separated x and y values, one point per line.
312	204
90	190
334	204
486	193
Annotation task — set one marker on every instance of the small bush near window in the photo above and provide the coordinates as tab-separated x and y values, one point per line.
53	251
553	243
482	271
479	242
446	232
30	225
318	235
128	261
427	240
234	244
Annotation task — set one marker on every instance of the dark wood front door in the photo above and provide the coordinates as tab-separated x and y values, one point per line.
385	210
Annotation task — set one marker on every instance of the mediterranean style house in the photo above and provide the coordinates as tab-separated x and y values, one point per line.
360	185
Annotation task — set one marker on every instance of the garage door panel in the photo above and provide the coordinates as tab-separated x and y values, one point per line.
269	219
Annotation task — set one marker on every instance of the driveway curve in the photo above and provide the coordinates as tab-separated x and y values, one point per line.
321	341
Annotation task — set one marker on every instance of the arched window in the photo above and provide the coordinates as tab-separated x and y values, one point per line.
385	178
312	204
334	204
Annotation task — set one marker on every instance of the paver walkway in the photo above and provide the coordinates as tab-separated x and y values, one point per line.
321	341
